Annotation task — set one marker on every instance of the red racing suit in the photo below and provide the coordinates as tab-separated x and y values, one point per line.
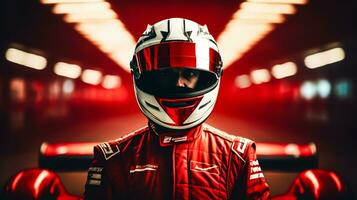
202	163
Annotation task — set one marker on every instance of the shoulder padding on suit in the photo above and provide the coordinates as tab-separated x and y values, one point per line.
112	148
218	132
240	147
109	149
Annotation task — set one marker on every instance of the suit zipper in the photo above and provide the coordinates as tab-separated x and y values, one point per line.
174	171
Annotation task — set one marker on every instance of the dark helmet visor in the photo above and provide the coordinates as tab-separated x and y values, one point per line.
177	82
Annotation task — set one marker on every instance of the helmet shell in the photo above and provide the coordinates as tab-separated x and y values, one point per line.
176	43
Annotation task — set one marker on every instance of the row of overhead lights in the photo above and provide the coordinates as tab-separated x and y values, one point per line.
311	89
322	88
287	69
73	71
97	21
252	22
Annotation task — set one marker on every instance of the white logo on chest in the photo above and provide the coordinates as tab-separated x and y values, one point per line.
204	167
142	168
167	139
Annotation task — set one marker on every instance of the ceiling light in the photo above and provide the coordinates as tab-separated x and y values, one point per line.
259	18
250	24
308	90
81	7
324	58
268	8
260	76
68	1
284	70
67	70
111	81
238	38
89	16
26	59
280	1
99	24
68	86
242	81
91	76
323	88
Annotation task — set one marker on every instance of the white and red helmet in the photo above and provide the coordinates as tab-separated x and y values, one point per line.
166	46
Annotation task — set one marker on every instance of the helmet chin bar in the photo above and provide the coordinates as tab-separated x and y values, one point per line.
155	112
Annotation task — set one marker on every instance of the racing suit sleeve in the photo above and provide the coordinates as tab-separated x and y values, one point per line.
97	185
251	183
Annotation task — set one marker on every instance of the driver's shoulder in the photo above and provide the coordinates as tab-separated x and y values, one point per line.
239	145
114	148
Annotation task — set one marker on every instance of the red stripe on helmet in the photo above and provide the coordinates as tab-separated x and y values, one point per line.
215	60
174	54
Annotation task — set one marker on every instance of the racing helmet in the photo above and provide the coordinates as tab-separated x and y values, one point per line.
168	52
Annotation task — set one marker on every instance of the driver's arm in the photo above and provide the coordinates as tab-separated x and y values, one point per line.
97	185
251	183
